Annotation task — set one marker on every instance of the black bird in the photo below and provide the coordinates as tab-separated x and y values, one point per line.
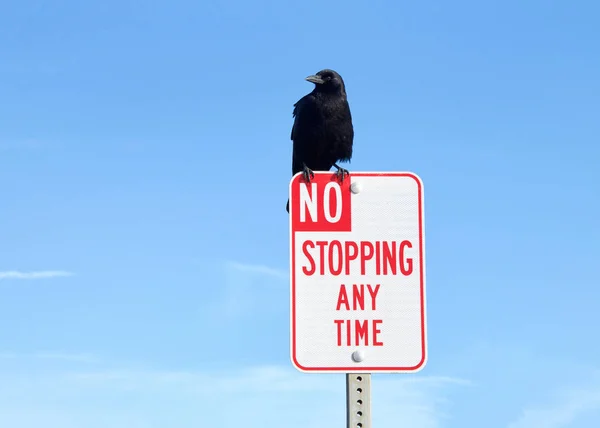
322	132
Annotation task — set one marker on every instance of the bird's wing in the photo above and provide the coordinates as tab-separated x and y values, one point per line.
303	103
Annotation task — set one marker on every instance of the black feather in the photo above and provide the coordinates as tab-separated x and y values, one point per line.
322	133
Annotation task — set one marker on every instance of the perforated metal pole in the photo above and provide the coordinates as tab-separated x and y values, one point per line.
358	400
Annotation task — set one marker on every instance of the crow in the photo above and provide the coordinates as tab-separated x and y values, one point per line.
322	133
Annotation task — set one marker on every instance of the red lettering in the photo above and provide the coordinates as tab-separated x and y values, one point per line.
340	258
339	331
364	256
342	298
373	294
389	258
321	245
358	297
375	258
375	331
405	271
348	330
362	331
305	246
351	254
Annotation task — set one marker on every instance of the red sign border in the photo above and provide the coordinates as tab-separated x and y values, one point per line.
363	369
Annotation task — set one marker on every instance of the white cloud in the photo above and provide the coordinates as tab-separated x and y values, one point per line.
20	144
83	358
246	289
8	355
415	401
250	380
13	274
259	396
62	356
259	269
398	400
568	405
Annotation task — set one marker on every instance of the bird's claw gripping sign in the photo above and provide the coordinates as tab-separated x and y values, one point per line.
357	271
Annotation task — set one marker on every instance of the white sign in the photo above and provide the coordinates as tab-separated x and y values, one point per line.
357	273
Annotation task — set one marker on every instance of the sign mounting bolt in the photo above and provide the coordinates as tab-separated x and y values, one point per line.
358	356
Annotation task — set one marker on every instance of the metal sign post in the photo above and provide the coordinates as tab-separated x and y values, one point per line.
358	400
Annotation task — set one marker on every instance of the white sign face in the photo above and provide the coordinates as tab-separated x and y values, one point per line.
357	272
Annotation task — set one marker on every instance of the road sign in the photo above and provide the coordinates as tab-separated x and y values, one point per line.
357	271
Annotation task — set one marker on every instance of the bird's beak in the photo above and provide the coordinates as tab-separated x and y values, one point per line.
315	79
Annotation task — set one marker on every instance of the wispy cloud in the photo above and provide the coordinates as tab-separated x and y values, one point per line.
20	145
8	355
30	67
568	405
13	274
248	287
83	358
273	378
417	401
423	401
62	356
259	269
251	379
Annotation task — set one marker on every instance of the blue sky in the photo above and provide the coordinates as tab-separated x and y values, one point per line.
144	170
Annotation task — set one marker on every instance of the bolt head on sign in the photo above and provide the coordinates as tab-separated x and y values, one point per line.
357	273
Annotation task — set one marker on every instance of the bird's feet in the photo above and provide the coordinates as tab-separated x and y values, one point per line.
341	173
308	174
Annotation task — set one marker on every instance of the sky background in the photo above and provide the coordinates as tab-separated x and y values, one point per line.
144	168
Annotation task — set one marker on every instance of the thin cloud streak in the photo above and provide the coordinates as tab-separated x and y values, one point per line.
20	145
268	378
420	402
563	412
400	402
83	358
59	356
8	355
13	274
259	269
239	296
